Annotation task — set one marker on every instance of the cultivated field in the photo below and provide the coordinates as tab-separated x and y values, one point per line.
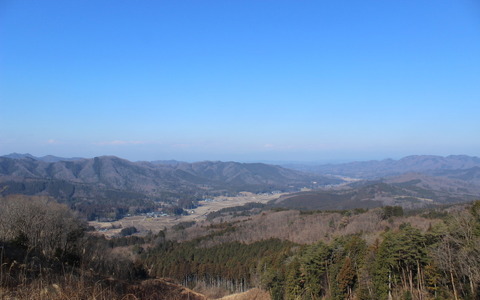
155	224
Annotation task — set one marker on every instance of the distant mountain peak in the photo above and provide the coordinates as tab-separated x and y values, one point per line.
46	158
16	155
390	167
110	178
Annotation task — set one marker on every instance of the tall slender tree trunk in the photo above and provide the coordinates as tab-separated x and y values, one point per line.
328	277
404	279
390	286
453	285
471	287
470	276
410	280
420	282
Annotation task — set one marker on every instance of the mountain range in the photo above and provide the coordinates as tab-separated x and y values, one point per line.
411	182
373	169
107	182
406	191
116	173
111	185
46	158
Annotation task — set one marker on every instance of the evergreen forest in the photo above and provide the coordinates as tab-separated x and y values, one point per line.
48	252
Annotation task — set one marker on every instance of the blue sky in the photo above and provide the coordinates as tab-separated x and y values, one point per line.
240	80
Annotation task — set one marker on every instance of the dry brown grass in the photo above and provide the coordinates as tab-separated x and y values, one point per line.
81	288
253	294
143	223
304	228
69	287
211	292
162	289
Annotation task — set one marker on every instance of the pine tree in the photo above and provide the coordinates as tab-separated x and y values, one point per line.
314	267
294	285
346	278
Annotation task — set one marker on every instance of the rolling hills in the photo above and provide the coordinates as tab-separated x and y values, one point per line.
411	182
111	186
101	182
389	167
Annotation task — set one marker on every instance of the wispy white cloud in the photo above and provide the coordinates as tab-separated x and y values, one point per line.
52	141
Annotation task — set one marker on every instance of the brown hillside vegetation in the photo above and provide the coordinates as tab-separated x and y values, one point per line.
154	289
300	227
69	287
46	253
253	294
430	254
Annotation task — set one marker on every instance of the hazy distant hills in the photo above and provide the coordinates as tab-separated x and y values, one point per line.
117	173
115	181
406	191
167	162
46	158
452	181
100	183
411	182
389	167
471	175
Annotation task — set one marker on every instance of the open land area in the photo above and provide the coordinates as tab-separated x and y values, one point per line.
155	223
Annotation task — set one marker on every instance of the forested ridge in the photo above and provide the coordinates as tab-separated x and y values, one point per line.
108	187
47	252
403	262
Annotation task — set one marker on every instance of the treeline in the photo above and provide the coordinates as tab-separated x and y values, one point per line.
403	263
46	252
236	211
44	244
443	263
102	203
232	266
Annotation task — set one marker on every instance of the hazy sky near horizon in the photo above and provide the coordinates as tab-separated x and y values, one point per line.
240	80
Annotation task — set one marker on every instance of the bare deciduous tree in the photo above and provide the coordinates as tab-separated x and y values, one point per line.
39	223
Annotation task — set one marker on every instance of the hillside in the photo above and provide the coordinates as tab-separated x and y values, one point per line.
410	182
389	167
46	158
116	173
350	254
408	191
110	187
470	175
271	254
92	185
459	182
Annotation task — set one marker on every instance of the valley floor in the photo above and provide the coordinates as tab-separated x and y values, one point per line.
145	223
